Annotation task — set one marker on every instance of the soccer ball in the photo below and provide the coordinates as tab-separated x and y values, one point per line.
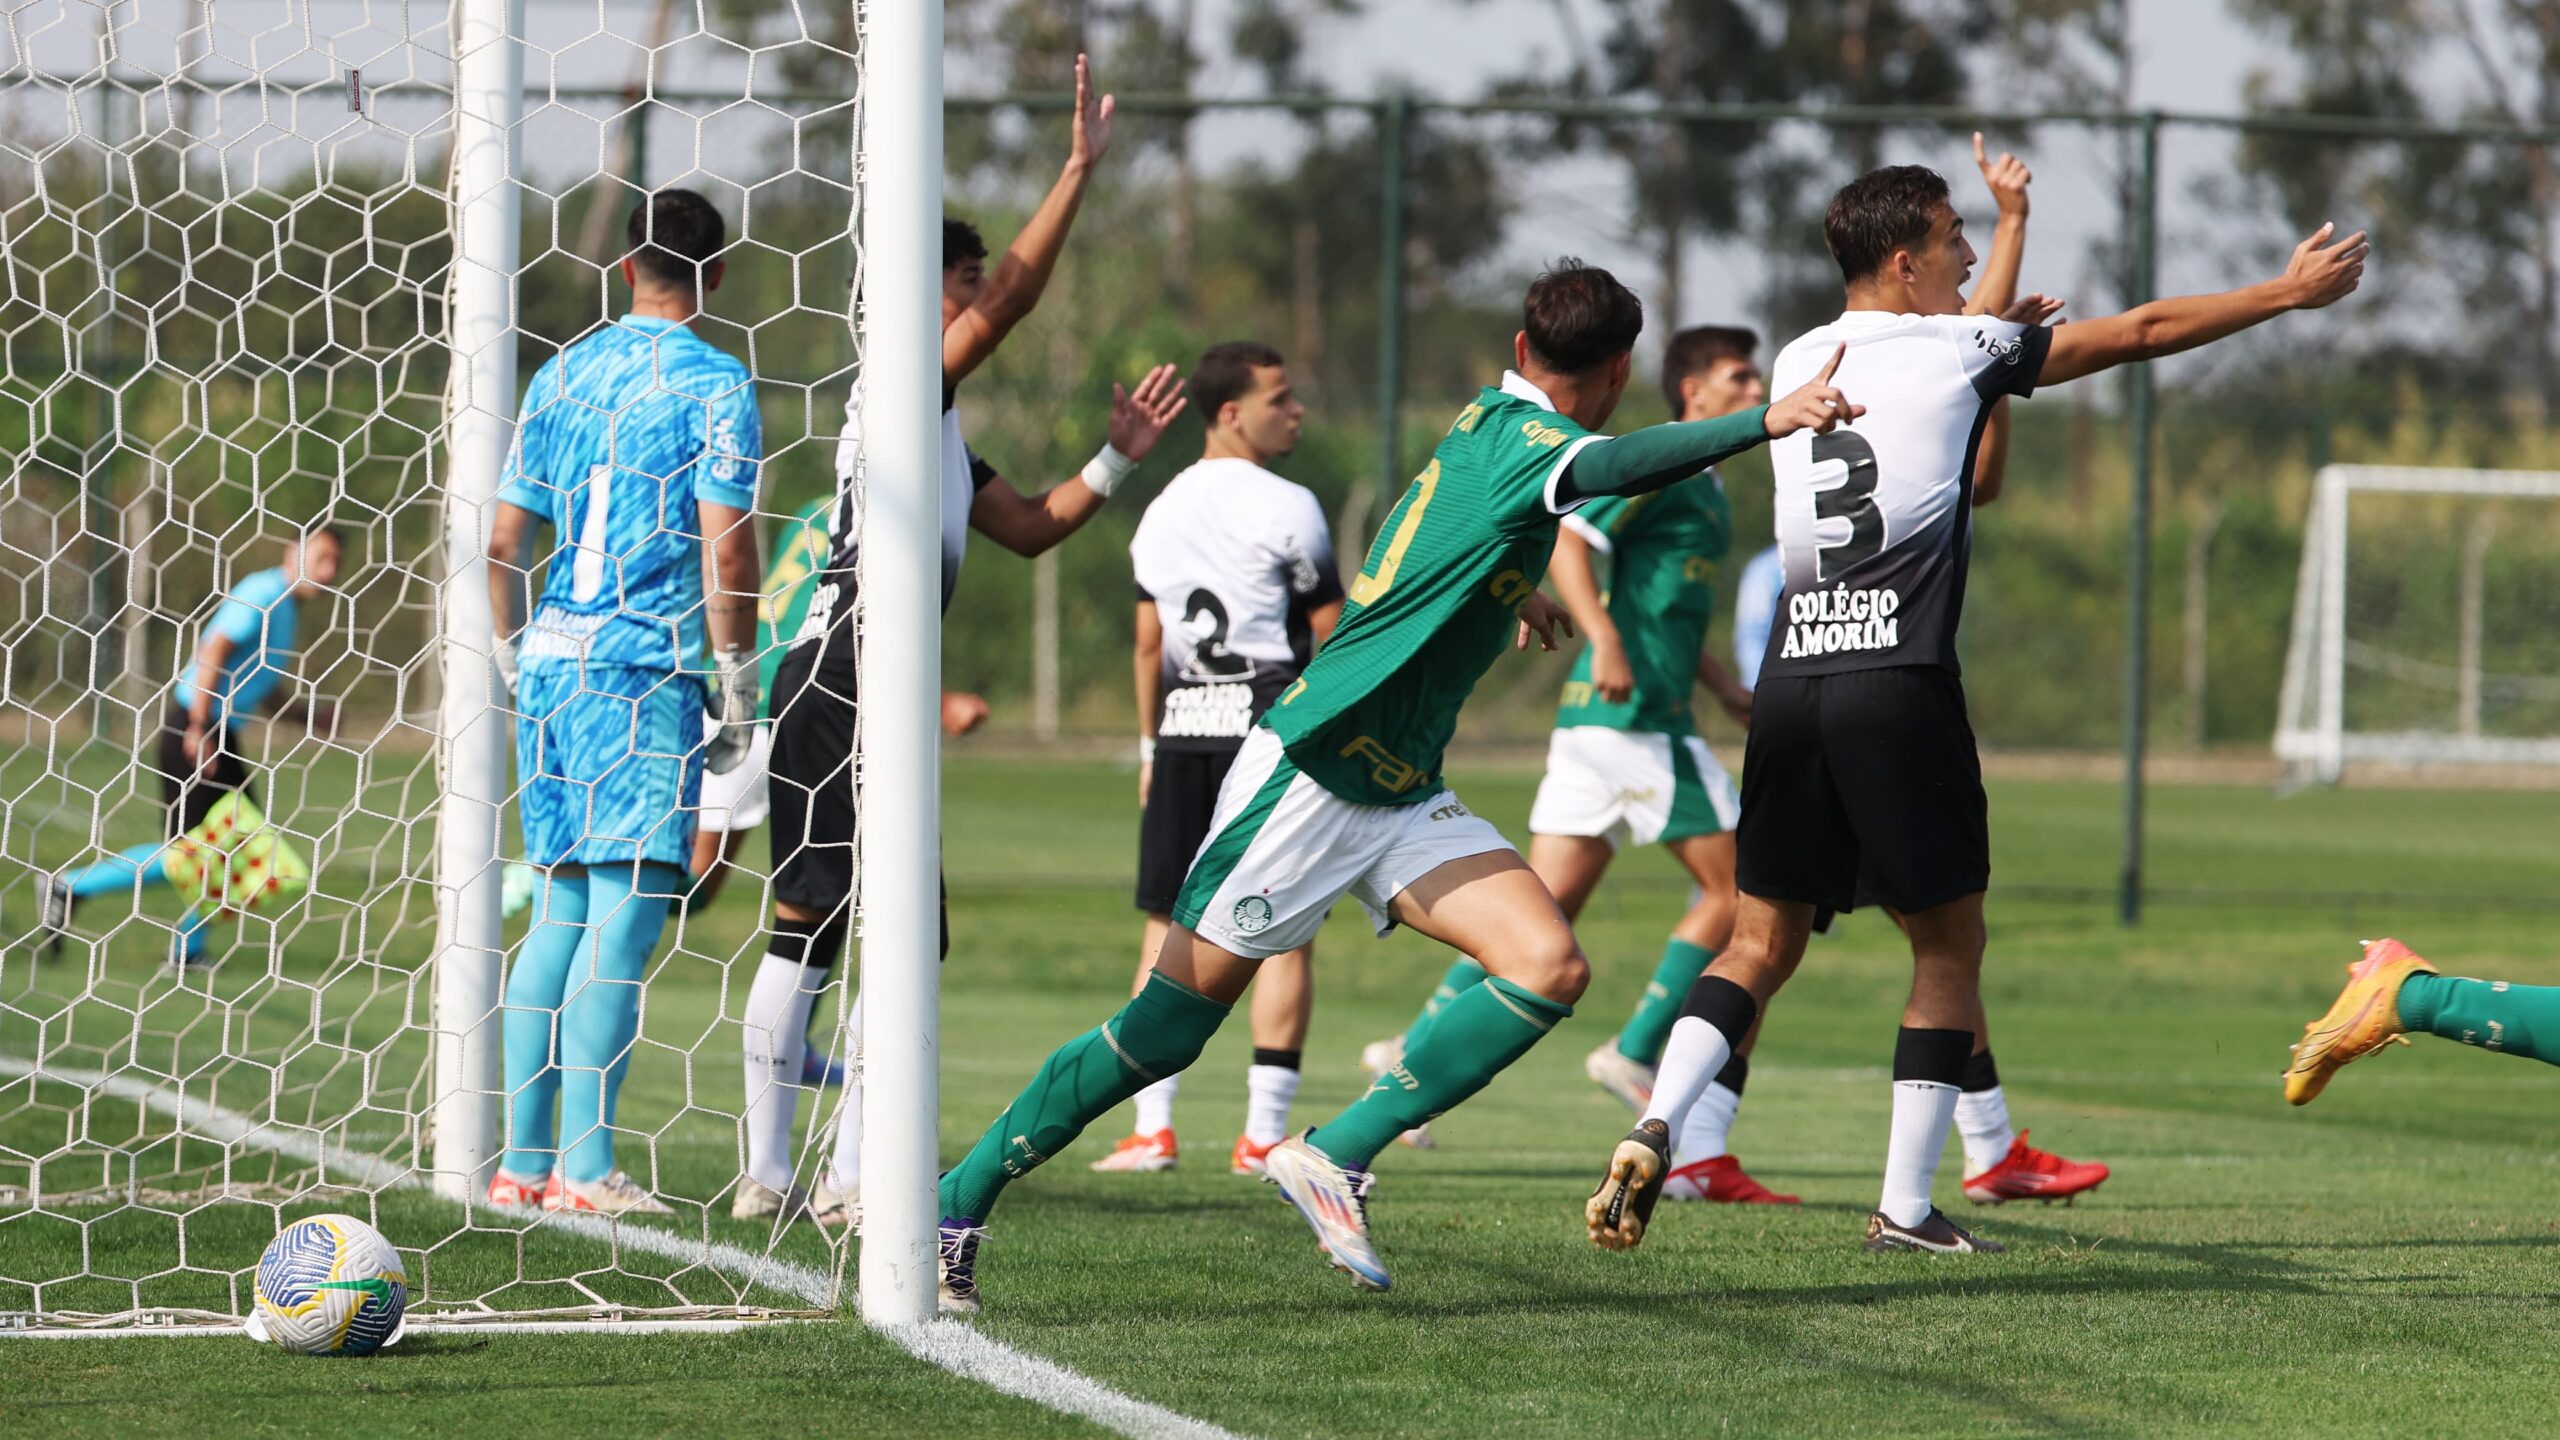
329	1285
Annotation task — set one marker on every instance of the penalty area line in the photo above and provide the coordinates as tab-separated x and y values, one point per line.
945	1344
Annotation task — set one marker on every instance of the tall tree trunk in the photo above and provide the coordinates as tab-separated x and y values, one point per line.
1672	192
1306	296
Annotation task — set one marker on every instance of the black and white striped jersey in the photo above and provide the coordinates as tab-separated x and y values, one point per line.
1875	519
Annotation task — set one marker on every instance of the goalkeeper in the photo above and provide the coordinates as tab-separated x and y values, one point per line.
639	445
246	652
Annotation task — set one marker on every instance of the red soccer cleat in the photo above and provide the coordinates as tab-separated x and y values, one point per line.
515	1192
1247	1157
1720	1179
2026	1173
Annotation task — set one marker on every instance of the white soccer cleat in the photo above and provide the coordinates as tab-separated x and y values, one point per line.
1380	1056
756	1200
1335	1204
834	1208
959	1241
615	1194
1630	1080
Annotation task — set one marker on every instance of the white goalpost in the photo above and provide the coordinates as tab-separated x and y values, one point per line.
249	285
2421	622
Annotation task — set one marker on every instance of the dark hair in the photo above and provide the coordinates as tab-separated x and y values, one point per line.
961	241
1880	212
673	234
1225	373
1579	317
1695	350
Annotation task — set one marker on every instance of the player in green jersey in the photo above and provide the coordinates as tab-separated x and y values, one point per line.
1338	793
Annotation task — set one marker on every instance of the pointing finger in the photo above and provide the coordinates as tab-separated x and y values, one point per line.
1979	158
1831	365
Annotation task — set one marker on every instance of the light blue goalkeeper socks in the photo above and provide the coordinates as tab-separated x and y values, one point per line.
573	1012
134	865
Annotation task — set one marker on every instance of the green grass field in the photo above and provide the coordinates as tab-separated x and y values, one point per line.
2384	1262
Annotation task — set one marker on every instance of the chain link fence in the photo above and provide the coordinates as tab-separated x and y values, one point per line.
2133	586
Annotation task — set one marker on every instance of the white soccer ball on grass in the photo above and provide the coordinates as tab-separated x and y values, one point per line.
329	1285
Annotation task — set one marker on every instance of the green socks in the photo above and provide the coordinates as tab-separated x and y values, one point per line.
1157	1034
1463	976
1468	1043
2492	1014
1641	1039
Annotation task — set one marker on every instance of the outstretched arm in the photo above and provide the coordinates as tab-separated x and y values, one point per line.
1661	455
1031	524
1022	273
2321	273
2008	178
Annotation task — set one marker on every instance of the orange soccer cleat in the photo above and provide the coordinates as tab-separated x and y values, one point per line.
1140	1155
2364	1018
2027	1173
1247	1157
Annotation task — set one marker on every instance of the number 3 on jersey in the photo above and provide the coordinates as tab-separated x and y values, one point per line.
1853	500
1373	582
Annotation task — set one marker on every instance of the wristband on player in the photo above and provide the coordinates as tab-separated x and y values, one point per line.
1146	749
1107	468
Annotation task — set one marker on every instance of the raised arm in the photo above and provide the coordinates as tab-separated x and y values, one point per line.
1661	455
2321	273
1032	524
1991	463
1577	584
1022	273
2008	178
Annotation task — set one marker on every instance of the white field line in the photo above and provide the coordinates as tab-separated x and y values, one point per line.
945	1344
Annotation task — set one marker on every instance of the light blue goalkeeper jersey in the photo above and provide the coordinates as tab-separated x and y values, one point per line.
622	434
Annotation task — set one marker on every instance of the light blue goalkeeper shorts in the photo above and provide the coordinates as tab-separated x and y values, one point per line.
608	763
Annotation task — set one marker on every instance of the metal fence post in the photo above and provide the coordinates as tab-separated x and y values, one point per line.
2137	619
1393	114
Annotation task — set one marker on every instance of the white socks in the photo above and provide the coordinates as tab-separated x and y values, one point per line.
1702	1135
1921	1110
776	1042
1155	1105
1695	1054
1269	1089
846	1170
1982	1117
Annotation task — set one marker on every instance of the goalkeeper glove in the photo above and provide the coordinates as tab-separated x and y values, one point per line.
503	654
733	705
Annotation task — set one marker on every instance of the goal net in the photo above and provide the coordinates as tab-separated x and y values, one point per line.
2421	622
269	267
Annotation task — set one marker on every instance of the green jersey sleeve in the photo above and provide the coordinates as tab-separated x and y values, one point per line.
1656	456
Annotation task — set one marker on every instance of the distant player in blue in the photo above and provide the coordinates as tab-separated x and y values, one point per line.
1755	614
244	655
638	445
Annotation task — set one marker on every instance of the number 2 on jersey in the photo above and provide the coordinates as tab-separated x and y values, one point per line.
1853	500
1374	583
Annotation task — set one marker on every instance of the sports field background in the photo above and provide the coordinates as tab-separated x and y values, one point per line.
2386	1261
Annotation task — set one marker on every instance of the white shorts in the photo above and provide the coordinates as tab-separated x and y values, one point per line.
742	798
1627	786
1282	849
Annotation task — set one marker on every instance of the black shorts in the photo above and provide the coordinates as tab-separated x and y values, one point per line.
187	796
1180	799
1863	788
815	822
